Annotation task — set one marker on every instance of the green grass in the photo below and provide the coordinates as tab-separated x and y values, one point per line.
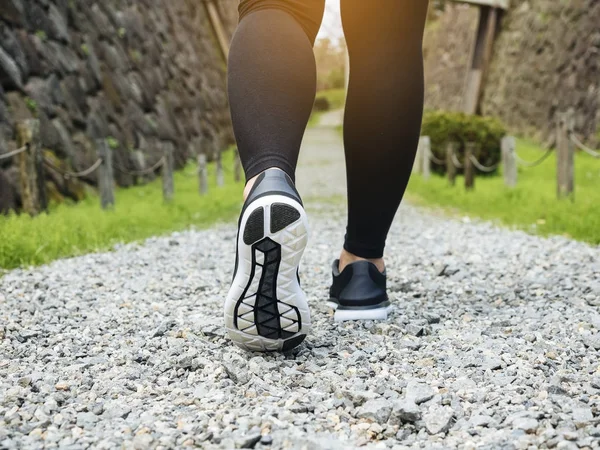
315	118
532	205
140	212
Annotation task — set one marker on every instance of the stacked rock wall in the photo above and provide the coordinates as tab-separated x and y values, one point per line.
135	72
546	58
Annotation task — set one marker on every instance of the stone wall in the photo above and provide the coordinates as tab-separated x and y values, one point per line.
447	48
136	72
546	58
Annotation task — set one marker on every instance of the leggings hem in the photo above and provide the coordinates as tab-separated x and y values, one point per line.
362	250
267	162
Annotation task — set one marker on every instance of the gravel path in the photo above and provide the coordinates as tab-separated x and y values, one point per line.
494	343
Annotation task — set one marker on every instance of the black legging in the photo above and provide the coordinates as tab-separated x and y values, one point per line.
272	84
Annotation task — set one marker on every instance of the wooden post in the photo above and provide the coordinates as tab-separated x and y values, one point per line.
469	167
480	57
218	29
105	174
219	160
418	164
565	157
202	174
426	157
167	171
41	171
450	168
27	163
509	160
237	166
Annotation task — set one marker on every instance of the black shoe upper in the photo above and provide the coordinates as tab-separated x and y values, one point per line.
272	182
360	284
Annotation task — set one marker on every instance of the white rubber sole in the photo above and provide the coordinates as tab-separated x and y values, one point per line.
266	310
345	315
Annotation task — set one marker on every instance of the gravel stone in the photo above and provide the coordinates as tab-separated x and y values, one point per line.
582	416
377	410
250	441
419	392
527	424
267	439
134	340
439	419
406	410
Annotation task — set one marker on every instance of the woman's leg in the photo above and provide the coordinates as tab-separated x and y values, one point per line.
272	81
383	116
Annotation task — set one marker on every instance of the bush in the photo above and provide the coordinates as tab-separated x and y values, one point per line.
321	104
443	127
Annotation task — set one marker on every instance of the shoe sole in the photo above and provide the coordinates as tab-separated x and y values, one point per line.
266	310
349	314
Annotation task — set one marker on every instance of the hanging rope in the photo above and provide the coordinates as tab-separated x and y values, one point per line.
584	147
14	152
536	162
434	160
68	174
482	167
455	160
140	173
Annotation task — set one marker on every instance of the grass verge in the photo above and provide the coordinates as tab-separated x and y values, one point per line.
140	212
532	205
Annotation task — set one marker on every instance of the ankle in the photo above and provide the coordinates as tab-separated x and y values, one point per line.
249	185
251	181
347	258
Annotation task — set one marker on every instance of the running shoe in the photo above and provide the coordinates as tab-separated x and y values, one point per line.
266	309
359	292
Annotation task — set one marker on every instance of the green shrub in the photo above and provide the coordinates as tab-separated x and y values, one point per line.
321	104
443	127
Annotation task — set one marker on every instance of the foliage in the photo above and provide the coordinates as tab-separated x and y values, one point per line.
112	143
532	205
443	127
31	105
321	104
336	79
140	212
331	59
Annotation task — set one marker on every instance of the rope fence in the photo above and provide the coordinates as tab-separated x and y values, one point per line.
563	142
32	166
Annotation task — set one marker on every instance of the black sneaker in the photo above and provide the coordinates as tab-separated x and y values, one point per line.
266	310
359	292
